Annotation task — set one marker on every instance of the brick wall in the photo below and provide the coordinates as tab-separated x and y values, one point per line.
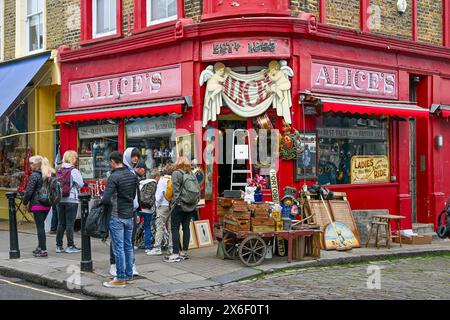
305	6
343	13
128	17
71	28
429	21
10	27
391	23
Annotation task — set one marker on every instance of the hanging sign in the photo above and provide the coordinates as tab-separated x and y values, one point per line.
91	132
350	133
151	127
141	85
246	47
368	169
354	80
247	95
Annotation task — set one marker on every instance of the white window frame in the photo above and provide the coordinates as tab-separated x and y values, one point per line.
96	35
151	22
27	26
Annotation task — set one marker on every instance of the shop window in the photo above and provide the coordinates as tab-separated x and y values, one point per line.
96	141
155	138
343	138
14	149
35	30
100	19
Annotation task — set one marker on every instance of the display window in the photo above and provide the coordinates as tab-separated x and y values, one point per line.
14	150
155	138
352	149
97	139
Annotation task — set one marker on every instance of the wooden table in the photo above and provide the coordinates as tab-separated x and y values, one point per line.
385	220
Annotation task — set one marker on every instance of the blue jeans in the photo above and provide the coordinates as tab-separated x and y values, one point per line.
148	219
121	235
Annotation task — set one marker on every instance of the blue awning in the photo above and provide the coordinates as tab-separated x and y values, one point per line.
14	77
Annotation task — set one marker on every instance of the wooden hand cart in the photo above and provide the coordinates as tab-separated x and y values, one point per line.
251	247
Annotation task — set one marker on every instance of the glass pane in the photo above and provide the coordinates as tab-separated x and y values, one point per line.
172	8
33	33
40	5
31	6
158	9
106	16
41	32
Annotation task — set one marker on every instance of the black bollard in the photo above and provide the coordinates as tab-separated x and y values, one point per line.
14	252
86	258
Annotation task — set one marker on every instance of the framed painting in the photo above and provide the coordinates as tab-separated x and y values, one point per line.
204	235
306	162
186	146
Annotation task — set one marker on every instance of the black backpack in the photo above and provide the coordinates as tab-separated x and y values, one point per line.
97	223
147	195
50	193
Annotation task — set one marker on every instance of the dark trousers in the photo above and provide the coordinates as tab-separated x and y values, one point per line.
39	219
67	213
180	218
54	225
112	257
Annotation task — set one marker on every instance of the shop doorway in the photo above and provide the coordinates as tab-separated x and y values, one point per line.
412	168
228	122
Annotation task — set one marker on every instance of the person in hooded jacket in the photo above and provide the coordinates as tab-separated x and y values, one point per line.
131	157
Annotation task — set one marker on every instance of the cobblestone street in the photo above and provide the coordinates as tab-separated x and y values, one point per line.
411	278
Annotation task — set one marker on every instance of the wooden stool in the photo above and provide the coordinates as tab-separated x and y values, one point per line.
385	220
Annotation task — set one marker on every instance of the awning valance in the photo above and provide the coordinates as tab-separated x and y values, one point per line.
360	106
150	109
15	76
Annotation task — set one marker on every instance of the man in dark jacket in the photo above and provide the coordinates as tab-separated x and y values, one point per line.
119	196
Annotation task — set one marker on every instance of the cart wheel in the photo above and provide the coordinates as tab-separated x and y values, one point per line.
229	245
252	251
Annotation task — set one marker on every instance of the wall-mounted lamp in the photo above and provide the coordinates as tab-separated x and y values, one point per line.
439	141
401	6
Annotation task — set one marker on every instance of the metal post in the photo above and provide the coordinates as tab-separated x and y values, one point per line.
86	258
14	252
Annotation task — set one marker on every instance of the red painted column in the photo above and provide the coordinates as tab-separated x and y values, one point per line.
446	23
121	137
322	11
414	20
364	15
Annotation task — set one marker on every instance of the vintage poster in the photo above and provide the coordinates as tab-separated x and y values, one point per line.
305	167
186	147
209	160
368	169
86	167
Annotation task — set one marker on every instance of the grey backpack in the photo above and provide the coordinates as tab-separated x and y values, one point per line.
190	192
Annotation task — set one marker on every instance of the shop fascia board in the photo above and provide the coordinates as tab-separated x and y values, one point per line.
259	26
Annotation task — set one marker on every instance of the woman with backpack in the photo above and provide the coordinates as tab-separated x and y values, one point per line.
41	173
186	194
71	181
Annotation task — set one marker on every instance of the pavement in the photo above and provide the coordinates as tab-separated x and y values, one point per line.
158	279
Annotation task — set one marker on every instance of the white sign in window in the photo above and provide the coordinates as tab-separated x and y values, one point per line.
161	11
104	18
241	152
35	30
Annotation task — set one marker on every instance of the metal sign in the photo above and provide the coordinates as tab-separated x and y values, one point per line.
368	169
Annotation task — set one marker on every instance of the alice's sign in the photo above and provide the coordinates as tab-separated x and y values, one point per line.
245	48
354	81
128	87
368	169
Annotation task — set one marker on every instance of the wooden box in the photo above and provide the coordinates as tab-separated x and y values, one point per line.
223	211
263	228
235	224
263	222
306	247
242	214
420	239
225	202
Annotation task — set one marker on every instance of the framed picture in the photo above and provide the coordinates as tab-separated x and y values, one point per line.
86	167
186	146
306	162
209	160
204	235
193	243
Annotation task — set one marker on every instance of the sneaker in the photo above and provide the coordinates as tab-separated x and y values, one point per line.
172	258
59	249
135	272
41	254
113	270
154	252
73	249
36	251
115	283
183	255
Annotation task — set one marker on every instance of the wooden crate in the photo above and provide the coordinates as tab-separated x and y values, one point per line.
306	247
263	222
225	202
223	211
242	214
263	228
235	224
